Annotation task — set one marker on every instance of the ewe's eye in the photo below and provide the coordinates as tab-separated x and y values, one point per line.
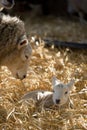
66	92
26	56
23	42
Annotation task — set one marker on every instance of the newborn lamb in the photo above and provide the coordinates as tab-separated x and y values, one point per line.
59	96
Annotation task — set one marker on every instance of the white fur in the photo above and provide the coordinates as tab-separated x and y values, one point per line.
51	98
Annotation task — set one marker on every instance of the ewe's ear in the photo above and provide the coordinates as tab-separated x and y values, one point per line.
70	84
22	42
55	81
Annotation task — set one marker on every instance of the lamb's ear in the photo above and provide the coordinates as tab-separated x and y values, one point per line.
55	81
70	84
22	42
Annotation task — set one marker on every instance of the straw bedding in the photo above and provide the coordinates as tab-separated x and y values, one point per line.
65	64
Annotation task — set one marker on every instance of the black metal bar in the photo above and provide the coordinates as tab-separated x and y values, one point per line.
56	43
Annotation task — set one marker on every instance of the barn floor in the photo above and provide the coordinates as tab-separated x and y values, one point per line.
65	63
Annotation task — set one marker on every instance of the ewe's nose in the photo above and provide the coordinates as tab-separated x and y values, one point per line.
24	76
20	77
57	101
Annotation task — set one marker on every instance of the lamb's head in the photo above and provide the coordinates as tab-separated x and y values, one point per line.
15	50
61	91
8	4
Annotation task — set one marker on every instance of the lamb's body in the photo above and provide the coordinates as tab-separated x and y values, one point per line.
59	96
14	47
40	97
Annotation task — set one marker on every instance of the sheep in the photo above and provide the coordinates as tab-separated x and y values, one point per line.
15	50
8	4
59	96
80	6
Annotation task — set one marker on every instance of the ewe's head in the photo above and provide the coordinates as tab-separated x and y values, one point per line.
19	58
15	50
61	91
8	4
